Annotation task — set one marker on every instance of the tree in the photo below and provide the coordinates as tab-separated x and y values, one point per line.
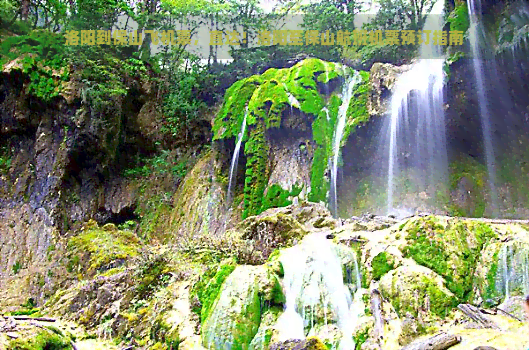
402	14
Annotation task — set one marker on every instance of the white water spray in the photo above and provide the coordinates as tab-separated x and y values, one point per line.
315	290
417	137
235	158
341	120
476	33
512	276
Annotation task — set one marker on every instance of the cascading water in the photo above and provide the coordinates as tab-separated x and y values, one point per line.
476	37
512	275
235	158
315	291
417	138
341	120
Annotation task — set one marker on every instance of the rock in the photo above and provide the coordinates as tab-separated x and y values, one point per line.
381	81
236	313
417	290
310	343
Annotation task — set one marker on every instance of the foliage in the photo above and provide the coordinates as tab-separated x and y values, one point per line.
182	104
458	18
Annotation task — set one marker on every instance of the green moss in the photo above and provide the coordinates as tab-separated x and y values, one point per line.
256	151
476	173
266	97
381	265
490	283
102	247
45	340
456	260
276	196
208	288
458	18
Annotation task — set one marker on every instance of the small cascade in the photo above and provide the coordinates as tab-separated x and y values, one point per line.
341	120
476	35
512	275
315	291
235	158
417	138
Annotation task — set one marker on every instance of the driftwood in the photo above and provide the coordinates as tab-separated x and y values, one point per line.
440	341
477	316
29	318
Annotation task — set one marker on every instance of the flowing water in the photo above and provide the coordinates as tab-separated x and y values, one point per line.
341	120
316	293
235	158
512	275
417	138
476	35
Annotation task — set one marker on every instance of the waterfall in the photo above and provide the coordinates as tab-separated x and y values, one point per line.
476	34
235	158
512	275
341	120
315	291
417	138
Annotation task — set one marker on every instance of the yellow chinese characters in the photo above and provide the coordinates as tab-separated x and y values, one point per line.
358	37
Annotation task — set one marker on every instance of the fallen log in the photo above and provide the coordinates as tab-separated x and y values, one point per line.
440	341
29	318
477	316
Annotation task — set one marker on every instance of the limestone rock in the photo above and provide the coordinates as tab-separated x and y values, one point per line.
418	290
381	81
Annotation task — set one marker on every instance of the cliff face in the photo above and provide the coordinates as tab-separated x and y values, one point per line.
62	163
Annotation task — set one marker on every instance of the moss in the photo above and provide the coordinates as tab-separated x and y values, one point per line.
102	248
455	261
208	288
381	265
458	18
256	151
490	282
322	134
44	340
267	96
276	196
476	173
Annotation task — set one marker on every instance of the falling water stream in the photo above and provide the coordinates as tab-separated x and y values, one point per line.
235	158
341	120
512	275
315	290
476	38
417	137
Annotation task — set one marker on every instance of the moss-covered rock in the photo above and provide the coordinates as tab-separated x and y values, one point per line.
236	312
381	264
95	249
417	290
450	248
265	99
